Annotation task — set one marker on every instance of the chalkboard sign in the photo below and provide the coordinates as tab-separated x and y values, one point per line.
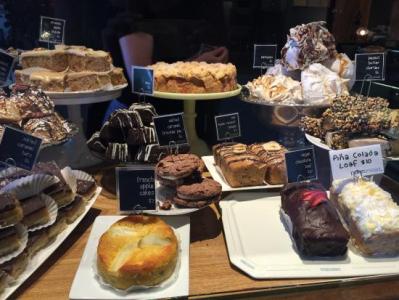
19	149
227	126
6	65
301	165
142	80
264	56
370	66
135	189
170	129
362	161
52	30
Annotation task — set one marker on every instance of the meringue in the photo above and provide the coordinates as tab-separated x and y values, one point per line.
277	89
320	85
343	66
307	44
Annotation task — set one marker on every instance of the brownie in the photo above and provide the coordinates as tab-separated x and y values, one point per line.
316	228
85	186
8	231
95	143
109	134
146	112
51	168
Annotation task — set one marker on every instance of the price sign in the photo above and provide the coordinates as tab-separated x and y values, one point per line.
350	162
301	165
19	149
135	189
264	56
142	80
170	129
6	65
370	66
52	30
227	126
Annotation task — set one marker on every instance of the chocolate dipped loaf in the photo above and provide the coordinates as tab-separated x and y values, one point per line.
239	165
316	228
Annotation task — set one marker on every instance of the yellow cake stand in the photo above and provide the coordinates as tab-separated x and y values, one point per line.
197	145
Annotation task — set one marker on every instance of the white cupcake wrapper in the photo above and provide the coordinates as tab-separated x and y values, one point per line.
70	178
8	171
80	175
30	186
52	209
133	288
23	237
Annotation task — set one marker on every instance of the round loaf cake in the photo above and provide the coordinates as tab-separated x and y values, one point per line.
194	77
137	250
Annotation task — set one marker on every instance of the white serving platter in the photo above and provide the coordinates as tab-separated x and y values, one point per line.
40	257
192	96
86	286
218	176
259	244
319	143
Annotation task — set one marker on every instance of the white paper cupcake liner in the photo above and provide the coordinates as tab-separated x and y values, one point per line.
23	241
160	286
30	186
52	209
80	175
8	171
70	178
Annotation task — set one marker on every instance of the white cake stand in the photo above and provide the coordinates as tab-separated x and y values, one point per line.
76	153
197	145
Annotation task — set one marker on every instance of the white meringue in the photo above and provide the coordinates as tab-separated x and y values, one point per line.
320	85
343	66
277	89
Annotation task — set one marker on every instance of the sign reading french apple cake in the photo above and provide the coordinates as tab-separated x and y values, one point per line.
142	80
370	66
170	129
6	65
19	149
227	126
52	30
135	189
264	56
301	165
359	161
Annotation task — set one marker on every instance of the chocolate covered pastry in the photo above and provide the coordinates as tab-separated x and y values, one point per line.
96	144
37	240
316	228
16	266
118	152
86	188
146	112
9	112
50	128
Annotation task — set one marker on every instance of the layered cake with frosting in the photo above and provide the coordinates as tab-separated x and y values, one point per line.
371	214
69	68
194	77
313	223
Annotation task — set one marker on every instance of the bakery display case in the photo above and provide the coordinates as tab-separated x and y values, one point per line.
303	204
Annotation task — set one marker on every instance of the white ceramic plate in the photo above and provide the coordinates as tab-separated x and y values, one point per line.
39	258
218	176
259	244
85	97
86	286
207	96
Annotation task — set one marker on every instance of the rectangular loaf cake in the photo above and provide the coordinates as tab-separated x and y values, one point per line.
316	228
371	215
239	166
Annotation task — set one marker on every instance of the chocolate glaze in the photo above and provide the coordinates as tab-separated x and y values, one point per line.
85	186
317	230
6	232
51	168
32	204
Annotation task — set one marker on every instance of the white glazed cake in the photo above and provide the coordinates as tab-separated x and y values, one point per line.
371	215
